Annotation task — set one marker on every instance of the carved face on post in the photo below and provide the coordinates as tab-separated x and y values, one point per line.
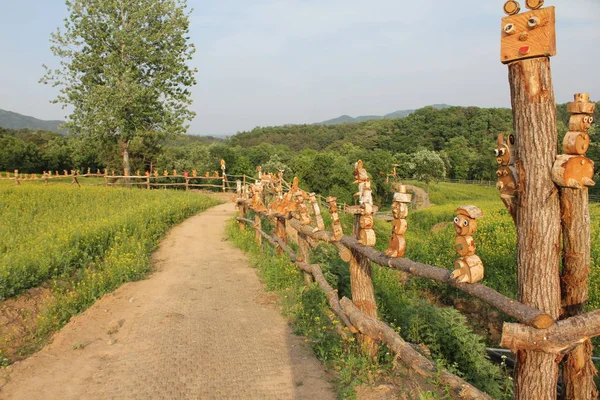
464	225
504	151
527	35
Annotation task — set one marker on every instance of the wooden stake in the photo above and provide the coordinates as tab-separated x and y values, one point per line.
538	214
578	370
304	255
257	235
363	294
280	232
241	213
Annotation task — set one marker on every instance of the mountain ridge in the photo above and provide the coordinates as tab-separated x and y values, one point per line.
13	120
346	119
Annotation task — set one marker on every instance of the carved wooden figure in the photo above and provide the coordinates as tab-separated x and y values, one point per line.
367	234
397	243
335	218
527	35
360	177
302	211
468	268
317	212
572	169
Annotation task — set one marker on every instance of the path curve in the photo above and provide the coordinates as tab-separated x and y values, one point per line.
199	328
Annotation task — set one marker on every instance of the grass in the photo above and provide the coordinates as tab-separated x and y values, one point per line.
85	241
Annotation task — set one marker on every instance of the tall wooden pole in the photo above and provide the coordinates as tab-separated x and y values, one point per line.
363	295
538	214
578	369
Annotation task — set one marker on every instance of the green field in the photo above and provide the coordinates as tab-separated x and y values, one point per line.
82	242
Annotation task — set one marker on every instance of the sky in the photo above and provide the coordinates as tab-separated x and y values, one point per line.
275	62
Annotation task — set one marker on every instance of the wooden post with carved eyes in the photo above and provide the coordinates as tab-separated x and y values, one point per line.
397	243
363	295
507	173
469	267
528	40
573	172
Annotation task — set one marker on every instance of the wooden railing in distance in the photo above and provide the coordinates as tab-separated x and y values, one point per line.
356	321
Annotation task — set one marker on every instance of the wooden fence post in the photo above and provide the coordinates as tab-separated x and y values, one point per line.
304	255
241	213
280	232
257	235
578	369
187	183
538	214
363	295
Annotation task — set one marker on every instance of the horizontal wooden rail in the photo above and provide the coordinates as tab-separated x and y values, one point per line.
420	364
561	338
356	321
519	311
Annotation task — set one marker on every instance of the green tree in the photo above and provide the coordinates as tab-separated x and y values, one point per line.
428	166
124	69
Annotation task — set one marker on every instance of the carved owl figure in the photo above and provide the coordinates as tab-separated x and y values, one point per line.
527	35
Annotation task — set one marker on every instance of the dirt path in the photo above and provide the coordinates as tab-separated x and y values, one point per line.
200	328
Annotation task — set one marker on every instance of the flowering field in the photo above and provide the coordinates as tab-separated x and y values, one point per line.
59	231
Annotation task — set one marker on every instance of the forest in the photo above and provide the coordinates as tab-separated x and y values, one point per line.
429	144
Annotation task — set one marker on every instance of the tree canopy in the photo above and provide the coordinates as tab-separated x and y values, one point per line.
124	69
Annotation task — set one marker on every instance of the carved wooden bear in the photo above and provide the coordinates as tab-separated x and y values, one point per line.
468	268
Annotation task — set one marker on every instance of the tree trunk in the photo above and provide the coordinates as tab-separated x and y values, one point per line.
126	167
363	295
538	214
578	370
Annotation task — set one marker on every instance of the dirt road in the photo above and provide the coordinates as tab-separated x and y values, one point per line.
199	328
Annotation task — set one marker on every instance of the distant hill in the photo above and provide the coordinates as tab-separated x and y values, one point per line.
13	120
346	119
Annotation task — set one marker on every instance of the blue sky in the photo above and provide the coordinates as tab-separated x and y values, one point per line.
272	62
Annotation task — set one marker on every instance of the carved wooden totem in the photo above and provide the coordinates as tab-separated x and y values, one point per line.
317	211
335	218
367	234
301	213
397	243
507	172
469	267
572	169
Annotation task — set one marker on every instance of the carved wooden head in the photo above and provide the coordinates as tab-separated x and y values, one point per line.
504	151
527	35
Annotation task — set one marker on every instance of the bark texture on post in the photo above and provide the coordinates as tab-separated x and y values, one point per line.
241	214
363	295
304	255
538	214
257	235
578	370
281	233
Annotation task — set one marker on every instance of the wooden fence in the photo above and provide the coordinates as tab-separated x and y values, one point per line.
534	330
186	181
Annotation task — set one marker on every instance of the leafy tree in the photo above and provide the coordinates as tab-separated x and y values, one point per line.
124	68
428	166
274	165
